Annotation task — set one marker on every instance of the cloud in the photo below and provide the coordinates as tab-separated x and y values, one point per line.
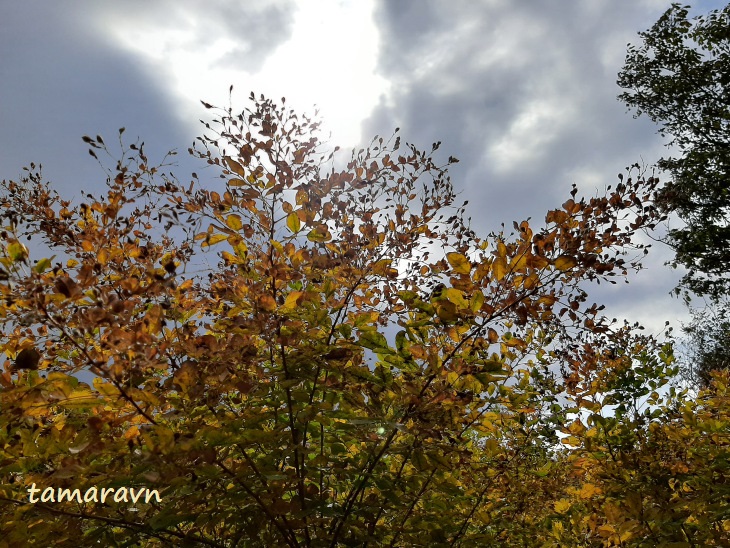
524	94
57	83
223	34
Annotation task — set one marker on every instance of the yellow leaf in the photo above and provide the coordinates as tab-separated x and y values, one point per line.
383	268
132	432
42	266
86	245
588	490
277	245
302	196
446	311
571	441
229	258
477	301
518	263
501	250
565	262
459	263
214	239
152	321
292	221
185	377
187	284
105	388
499	268
292	300
103	256
234	222
606	530
319	234
456	296
80	398
562	505
241	249
17	251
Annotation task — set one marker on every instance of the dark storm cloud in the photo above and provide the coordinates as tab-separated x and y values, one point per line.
522	92
64	75
57	83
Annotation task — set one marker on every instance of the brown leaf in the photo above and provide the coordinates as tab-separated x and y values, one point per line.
27	359
67	287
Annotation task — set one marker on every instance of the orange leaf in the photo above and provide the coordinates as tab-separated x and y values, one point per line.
234	166
267	303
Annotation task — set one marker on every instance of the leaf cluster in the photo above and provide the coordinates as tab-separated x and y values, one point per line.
357	366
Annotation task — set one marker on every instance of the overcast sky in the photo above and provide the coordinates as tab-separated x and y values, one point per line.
523	92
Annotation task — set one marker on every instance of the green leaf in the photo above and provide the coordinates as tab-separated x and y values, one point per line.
17	251
168	518
319	234
43	265
375	341
420	462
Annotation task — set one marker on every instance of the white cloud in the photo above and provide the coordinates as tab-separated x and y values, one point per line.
323	53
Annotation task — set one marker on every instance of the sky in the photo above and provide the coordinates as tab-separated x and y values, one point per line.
522	92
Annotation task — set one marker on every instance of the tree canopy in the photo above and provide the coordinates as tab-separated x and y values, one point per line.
680	78
306	351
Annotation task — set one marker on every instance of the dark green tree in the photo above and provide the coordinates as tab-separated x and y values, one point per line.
679	76
706	342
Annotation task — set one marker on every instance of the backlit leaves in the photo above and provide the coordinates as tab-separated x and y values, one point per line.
233	222
565	262
235	167
293	222
459	263
354	386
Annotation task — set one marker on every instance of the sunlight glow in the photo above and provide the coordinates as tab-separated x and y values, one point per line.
329	60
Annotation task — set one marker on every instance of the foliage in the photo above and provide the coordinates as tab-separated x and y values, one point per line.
706	343
358	368
658	479
680	77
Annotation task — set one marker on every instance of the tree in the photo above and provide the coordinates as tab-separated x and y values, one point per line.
659	479
680	77
311	388
707	335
